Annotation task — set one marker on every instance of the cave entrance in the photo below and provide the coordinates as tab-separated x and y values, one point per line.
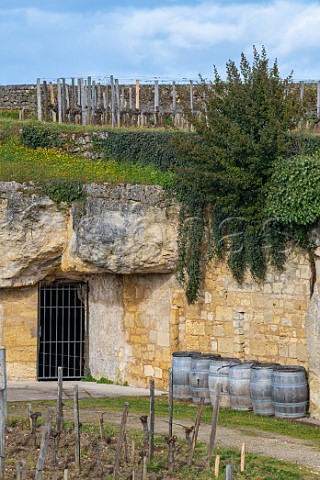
62	327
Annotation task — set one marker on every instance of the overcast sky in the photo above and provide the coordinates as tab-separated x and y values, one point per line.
157	38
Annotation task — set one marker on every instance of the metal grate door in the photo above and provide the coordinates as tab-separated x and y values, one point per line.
62	314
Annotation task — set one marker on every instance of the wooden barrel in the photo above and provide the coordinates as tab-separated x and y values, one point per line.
239	386
218	373
181	364
290	392
260	388
199	374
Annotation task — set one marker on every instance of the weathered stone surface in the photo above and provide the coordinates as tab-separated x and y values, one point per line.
123	230
33	234
130	229
312	326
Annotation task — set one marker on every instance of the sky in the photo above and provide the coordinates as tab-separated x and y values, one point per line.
158	38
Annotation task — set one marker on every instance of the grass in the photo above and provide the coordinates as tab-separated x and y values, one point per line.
227	418
247	421
21	164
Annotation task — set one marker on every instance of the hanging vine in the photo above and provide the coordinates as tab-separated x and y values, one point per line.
227	166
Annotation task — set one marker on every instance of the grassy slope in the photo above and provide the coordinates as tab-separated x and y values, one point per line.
23	164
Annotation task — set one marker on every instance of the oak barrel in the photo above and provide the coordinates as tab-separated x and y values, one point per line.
239	386
260	388
218	373
199	374
289	391
181	364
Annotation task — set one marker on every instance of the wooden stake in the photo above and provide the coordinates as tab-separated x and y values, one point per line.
302	89
24	470
113	106
59	101
120	441
83	102
76	427
94	101
174	102
216	466
45	92
151	443
228	472
191	96
132	451
214	422
18	469
44	445
59	419
118	103
63	100
170	401
39	106
137	95
52	101
66	474
318	100
73	98
89	101
79	83
144	467
195	431
243	458
156	102
138	101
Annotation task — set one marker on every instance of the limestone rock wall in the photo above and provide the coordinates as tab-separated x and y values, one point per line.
127	229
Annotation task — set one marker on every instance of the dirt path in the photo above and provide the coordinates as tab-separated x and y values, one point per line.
258	442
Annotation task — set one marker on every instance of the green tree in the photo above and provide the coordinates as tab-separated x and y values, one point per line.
227	164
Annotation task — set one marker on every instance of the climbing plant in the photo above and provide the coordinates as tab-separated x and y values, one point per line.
227	167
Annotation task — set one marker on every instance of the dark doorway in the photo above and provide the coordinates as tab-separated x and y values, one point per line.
62	314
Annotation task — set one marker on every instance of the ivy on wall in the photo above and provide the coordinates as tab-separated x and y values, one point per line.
228	165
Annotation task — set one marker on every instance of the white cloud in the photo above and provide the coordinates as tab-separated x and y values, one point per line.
172	40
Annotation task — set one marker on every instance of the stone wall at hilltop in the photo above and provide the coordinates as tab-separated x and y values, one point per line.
17	97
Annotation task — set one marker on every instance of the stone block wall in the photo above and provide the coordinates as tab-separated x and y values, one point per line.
18	326
148	314
16	97
137	321
255	321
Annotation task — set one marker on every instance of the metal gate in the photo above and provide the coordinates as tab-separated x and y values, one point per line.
62	318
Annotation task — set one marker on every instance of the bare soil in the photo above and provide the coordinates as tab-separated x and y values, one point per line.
97	457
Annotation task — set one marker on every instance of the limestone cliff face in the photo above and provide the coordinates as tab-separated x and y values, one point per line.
125	230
